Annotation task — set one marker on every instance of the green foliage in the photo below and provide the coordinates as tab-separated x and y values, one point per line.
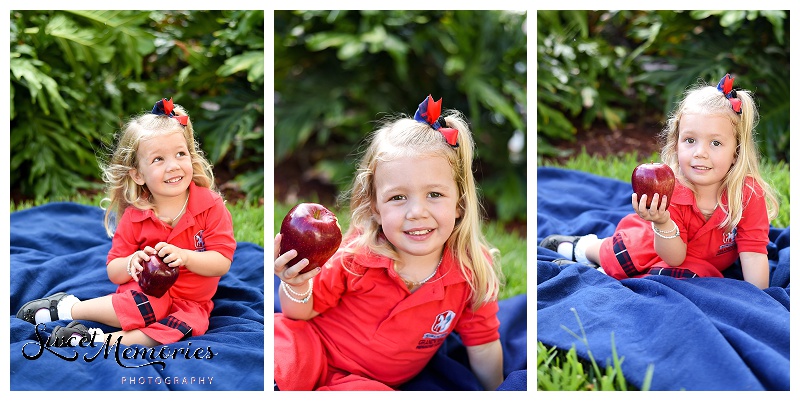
558	370
338	72
77	76
616	67
579	76
512	246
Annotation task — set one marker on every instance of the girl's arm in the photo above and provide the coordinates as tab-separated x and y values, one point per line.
208	263
117	270
671	250
486	361
755	268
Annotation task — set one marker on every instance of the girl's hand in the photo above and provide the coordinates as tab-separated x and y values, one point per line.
172	255
135	262
656	213
290	274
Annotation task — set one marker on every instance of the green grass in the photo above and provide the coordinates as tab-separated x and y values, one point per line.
564	370
513	248
248	218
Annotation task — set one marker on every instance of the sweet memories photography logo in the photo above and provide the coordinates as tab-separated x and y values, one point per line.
130	357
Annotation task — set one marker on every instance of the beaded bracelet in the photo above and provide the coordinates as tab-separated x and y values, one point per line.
661	233
305	294
300	301
128	269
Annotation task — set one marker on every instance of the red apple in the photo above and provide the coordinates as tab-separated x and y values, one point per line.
653	178
157	277
313	231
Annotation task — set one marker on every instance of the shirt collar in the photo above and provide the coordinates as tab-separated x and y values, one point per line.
448	267
682	195
199	201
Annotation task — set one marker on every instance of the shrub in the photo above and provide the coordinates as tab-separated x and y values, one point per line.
76	76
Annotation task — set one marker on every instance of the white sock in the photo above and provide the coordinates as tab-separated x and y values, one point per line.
42	316
65	305
99	336
565	249
64	308
582	245
74	340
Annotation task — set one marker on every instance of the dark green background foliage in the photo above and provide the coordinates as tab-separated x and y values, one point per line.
338	73
611	68
77	76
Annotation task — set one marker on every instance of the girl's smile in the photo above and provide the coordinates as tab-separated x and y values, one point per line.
419	235
706	149
164	163
416	204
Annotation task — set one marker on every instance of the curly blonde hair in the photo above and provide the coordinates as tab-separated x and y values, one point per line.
121	190
479	261
707	100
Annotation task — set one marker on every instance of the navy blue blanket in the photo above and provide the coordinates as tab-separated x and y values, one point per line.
63	247
697	334
449	367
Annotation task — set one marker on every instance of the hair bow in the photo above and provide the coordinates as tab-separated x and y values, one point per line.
164	107
725	86
429	112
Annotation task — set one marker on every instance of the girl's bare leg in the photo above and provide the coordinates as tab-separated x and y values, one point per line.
593	251
99	310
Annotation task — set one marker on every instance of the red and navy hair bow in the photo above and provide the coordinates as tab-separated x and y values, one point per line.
725	86
164	107
429	113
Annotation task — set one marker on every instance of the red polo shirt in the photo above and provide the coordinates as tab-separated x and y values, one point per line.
371	325
709	250
206	226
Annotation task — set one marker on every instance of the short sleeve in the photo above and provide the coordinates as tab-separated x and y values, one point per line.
124	242
218	230
479	326
331	282
752	233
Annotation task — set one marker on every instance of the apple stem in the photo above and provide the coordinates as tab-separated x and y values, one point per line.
317	214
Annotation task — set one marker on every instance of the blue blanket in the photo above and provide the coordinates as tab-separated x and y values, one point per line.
697	334
63	247
449	367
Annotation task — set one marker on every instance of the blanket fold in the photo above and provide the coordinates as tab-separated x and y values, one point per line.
63	247
698	334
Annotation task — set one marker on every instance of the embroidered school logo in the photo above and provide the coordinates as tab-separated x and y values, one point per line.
729	237
728	241
442	322
441	325
199	243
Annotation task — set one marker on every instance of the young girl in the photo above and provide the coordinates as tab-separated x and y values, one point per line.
161	194
413	267
720	209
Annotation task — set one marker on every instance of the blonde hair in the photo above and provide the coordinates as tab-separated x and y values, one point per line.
707	100
121	189
479	262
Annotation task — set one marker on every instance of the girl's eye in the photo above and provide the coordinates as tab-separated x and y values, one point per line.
435	194
157	159
397	197
181	153
689	140
716	143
